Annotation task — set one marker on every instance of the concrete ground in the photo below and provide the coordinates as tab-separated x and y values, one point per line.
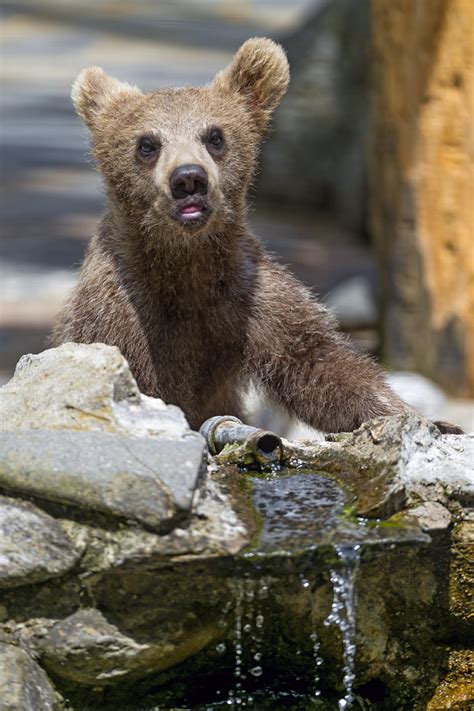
51	194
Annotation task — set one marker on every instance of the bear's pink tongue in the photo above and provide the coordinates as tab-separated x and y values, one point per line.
190	209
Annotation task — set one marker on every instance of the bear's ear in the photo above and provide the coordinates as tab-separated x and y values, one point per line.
260	73
93	89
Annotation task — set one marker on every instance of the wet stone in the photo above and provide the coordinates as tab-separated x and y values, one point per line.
431	516
461	583
24	686
87	649
33	547
151	480
394	462
296	510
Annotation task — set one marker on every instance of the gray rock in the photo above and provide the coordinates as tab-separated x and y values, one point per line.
394	462
86	649
89	650
412	462
443	470
33	547
431	516
419	392
460	412
83	387
75	429
151	480
353	303
430	400
24	686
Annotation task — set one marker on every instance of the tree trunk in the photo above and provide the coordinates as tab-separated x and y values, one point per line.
421	166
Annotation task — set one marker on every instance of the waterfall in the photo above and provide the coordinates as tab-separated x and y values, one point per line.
248	636
342	614
318	661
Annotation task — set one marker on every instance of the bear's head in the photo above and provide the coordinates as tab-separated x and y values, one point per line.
182	158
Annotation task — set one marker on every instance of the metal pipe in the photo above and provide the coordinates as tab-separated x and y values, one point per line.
225	429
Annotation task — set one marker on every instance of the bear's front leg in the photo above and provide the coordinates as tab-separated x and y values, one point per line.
295	352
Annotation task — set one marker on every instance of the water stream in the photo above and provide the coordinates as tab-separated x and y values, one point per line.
302	526
250	594
318	660
343	614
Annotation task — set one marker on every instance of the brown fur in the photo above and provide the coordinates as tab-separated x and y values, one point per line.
200	311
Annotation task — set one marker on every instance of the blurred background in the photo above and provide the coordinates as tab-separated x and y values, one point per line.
366	187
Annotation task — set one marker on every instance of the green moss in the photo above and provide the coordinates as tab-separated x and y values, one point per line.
246	488
393	523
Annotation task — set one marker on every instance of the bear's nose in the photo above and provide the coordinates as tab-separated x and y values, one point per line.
188	180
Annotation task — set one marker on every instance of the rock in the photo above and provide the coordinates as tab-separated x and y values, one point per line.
431	516
456	691
151	480
24	686
442	471
86	649
152	620
353	303
76	430
83	387
410	461
421	393
461	574
394	462
33	547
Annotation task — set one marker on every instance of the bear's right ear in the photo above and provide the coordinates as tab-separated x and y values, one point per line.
260	73
93	89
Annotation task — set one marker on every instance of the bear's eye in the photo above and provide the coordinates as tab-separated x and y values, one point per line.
215	141
148	147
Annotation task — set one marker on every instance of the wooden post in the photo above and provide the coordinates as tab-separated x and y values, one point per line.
421	168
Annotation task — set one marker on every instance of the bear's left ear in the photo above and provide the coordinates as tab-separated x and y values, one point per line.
260	73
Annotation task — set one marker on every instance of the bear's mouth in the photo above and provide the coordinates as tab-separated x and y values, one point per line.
192	210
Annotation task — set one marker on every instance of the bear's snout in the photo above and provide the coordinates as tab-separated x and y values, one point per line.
186	180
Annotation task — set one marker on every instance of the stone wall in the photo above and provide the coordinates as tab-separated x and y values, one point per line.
138	571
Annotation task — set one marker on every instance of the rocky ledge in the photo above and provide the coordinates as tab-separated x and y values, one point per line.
137	571
75	430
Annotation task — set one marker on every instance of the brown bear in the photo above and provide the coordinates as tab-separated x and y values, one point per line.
175	278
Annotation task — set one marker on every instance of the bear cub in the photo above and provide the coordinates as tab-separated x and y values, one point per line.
175	278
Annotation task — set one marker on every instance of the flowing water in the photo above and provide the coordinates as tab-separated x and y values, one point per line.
247	636
282	637
250	595
316	644
343	614
302	514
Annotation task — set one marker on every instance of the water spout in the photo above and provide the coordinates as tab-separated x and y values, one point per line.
218	431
